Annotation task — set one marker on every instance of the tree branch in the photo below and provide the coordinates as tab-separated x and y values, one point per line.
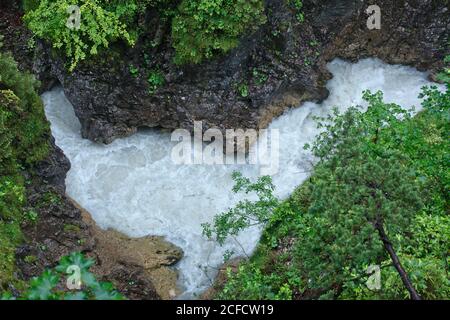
396	261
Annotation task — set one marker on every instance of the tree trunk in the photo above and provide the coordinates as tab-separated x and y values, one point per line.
395	260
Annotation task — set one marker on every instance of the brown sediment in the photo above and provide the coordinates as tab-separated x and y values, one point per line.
152	254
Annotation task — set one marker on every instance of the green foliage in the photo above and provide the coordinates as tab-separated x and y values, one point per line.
24	134
49	198
246	213
200	29
48	285
298	7
259	76
22	113
155	80
30	5
203	28
243	90
31	216
430	237
134	71
428	274
99	26
250	283
445	75
358	182
379	165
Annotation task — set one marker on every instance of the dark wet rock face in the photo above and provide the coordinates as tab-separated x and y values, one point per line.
412	33
54	168
15	34
288	55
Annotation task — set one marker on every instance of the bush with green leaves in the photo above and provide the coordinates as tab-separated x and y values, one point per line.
203	28
250	283
444	76
99	26
424	248
364	191
428	274
73	270
22	112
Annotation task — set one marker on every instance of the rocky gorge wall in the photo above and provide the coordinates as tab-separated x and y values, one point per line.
139	268
112	103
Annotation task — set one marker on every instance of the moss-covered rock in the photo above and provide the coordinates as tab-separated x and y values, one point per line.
24	141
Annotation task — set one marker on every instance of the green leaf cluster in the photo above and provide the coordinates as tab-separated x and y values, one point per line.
298	7
203	28
99	26
155	80
50	284
200	29
246	213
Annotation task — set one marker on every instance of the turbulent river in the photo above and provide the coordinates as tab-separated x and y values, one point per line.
133	186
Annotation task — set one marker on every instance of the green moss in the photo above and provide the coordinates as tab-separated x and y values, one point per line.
10	237
30	259
71	228
49	198
24	134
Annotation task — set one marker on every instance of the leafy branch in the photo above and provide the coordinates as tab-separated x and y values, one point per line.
246	213
50	285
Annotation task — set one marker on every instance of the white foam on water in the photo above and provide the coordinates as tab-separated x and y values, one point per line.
133	186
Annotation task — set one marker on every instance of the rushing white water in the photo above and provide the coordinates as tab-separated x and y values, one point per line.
133	186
